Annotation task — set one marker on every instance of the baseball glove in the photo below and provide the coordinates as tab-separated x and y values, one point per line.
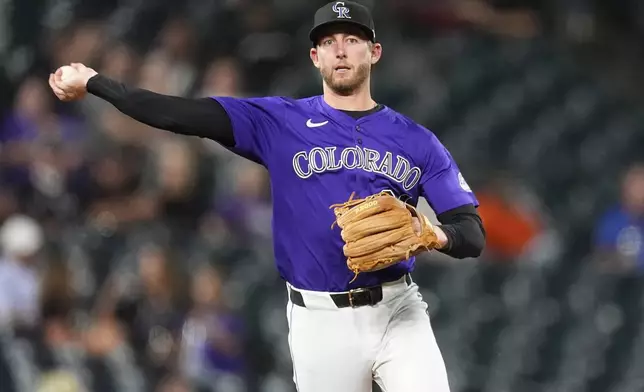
378	231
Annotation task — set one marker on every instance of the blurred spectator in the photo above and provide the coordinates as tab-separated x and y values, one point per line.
119	62
219	242
172	59
111	204
222	78
21	239
40	152
110	190
516	224
33	123
79	42
213	336
248	207
57	341
153	76
182	186
57	302
152	310
265	49
619	234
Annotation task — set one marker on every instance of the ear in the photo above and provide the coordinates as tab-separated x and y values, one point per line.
314	57
376	53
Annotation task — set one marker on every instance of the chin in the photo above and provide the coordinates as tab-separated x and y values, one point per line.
345	84
344	88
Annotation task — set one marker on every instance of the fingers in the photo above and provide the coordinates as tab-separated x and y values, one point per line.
57	90
58	76
67	91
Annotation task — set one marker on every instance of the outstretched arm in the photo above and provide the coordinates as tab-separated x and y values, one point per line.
202	117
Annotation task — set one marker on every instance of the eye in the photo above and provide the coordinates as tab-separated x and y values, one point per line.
327	42
352	40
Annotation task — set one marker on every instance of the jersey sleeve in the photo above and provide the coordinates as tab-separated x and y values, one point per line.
255	123
442	183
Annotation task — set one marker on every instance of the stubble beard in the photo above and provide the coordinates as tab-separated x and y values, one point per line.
346	86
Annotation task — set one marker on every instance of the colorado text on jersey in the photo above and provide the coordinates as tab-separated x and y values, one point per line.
319	160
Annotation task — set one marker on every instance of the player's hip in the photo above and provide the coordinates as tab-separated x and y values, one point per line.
369	296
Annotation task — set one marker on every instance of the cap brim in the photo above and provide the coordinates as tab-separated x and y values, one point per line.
314	33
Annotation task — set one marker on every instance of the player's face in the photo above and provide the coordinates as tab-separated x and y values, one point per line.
344	57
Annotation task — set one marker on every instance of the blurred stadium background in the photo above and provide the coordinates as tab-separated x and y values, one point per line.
136	260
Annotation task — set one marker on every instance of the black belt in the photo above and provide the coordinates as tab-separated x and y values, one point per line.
367	296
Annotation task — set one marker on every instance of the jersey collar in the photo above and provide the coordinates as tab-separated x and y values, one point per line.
345	118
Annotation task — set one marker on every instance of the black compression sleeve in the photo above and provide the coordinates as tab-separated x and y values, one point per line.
464	230
203	117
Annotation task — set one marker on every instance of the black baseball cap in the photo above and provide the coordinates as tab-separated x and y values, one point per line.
343	12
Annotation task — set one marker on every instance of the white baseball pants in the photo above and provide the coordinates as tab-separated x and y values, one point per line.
344	349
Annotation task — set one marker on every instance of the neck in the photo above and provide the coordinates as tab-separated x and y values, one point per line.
360	100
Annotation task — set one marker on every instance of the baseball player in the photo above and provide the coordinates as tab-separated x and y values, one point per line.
346	173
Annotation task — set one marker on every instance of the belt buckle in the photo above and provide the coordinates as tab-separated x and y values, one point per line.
354	291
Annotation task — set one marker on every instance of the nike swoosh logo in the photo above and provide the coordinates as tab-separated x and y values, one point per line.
311	124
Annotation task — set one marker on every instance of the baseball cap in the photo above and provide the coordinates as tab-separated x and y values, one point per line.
343	12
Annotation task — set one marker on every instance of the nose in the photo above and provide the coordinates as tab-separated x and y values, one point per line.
340	53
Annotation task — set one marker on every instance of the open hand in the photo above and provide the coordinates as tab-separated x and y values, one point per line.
69	82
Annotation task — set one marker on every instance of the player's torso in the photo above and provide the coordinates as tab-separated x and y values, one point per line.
336	153
323	156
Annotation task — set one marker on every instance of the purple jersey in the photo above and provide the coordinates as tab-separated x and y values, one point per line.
317	156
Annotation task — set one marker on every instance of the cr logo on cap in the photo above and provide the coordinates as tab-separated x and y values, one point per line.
341	10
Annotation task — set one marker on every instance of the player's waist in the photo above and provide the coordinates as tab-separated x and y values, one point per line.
367	296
